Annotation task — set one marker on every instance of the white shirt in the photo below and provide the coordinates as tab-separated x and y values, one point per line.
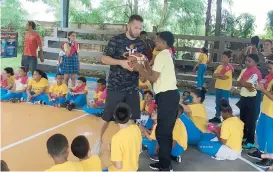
19	86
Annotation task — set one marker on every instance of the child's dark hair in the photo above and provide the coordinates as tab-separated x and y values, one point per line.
225	107
255	57
200	93
167	37
83	79
69	34
42	73
205	50
255	41
57	145
32	24
59	74
4	166
184	93
23	68
148	92
80	147
102	81
9	70
122	113
228	53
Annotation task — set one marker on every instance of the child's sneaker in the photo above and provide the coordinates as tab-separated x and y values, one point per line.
157	167
255	155
154	158
265	163
248	146
41	102
176	158
70	106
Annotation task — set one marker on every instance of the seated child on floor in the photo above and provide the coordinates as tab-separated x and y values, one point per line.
128	138
147	106
226	144
80	148
37	88
144	84
4	166
7	80
19	87
58	149
96	106
77	95
57	92
186	98
195	117
179	139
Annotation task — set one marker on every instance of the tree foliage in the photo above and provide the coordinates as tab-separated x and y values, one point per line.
269	25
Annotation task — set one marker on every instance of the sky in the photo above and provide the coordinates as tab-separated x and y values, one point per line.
258	8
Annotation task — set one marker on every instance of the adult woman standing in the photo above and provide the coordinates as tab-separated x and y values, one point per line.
71	58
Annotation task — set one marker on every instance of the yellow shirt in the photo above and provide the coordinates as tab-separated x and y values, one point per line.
267	105
125	148
58	90
164	65
155	52
67	166
203	58
97	96
92	164
223	84
37	86
244	91
199	116
142	108
180	134
147	83
232	131
11	81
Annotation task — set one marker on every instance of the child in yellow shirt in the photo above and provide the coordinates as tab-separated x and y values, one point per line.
126	143
57	148
144	85
7	80
179	139
77	95
202	67
223	83
195	117
80	148
37	88
57	92
264	129
96	106
227	142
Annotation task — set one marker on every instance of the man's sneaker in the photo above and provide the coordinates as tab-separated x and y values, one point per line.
176	158
215	120
157	167
248	146
255	155
265	163
154	158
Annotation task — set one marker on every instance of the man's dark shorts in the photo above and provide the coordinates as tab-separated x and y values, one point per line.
30	62
115	97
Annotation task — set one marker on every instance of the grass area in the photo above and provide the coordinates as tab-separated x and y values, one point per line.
14	62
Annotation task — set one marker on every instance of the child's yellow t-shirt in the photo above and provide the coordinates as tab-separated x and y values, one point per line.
92	164
142	108
58	90
11	81
180	134
97	96
203	58
223	84
67	166
37	86
199	116
232	130
125	148
267	105
146	83
244	92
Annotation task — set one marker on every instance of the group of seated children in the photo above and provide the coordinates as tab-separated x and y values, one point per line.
37	90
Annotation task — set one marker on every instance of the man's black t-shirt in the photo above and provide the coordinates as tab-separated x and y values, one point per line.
121	79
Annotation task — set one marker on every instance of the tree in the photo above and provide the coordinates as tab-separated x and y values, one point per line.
269	25
208	21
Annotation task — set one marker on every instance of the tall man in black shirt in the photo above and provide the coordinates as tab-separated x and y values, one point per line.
123	81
